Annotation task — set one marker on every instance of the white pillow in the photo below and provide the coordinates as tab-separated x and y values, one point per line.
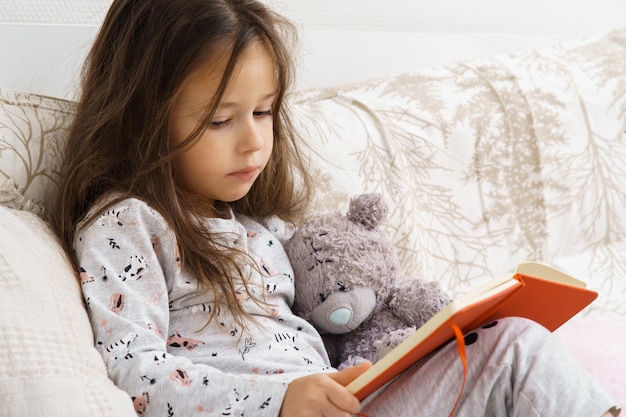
48	364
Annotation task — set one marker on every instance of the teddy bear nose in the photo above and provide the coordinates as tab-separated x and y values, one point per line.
341	316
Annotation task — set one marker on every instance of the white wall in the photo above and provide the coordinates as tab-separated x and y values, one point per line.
42	42
62	12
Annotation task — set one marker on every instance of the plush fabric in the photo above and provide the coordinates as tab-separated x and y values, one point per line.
48	364
348	285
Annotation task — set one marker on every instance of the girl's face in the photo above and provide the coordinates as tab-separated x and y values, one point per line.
233	150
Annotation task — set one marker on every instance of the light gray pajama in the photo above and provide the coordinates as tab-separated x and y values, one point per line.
149	319
515	368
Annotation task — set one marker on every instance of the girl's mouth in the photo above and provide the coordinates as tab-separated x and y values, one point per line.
245	174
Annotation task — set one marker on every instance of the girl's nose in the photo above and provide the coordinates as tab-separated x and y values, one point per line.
251	136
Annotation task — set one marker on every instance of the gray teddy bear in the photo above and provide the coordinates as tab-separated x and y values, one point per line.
348	284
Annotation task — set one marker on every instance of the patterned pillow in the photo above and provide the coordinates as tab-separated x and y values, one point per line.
487	162
32	133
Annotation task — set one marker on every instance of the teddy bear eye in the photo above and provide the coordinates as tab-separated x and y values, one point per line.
322	298
342	286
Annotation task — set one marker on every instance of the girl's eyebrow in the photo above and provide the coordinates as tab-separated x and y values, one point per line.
233	104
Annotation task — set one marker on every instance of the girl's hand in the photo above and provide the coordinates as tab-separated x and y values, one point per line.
323	394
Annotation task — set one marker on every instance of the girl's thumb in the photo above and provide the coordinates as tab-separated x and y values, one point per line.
345	376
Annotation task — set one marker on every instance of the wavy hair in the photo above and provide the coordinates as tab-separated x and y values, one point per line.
119	140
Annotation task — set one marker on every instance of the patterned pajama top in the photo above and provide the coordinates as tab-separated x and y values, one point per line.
150	319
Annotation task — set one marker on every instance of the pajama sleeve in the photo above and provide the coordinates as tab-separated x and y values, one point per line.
128	261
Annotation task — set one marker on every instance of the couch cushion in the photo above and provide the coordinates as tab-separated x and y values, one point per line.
48	364
487	162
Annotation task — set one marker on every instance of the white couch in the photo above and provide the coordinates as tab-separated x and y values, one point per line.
485	162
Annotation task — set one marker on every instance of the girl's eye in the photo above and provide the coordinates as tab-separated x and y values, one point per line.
216	124
263	113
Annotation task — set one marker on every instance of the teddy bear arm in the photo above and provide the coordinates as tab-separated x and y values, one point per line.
391	340
415	301
352	360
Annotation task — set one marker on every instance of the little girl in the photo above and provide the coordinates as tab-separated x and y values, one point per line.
181	163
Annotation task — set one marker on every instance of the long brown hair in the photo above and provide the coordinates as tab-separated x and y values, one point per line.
119	140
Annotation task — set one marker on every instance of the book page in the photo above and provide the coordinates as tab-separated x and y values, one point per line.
485	289
539	270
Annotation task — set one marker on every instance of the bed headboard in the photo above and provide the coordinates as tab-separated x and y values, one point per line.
43	42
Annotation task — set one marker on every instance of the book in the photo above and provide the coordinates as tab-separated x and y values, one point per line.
533	290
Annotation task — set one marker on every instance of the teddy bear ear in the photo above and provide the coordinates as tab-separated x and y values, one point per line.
368	209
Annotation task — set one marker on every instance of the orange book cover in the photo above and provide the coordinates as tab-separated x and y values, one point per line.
548	296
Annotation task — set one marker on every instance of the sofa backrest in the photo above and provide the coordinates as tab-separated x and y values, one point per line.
484	162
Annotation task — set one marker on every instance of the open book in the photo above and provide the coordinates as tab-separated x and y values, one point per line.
534	291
